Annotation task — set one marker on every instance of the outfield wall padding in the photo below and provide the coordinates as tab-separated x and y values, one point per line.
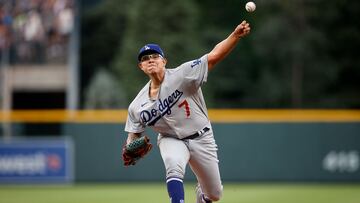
247	152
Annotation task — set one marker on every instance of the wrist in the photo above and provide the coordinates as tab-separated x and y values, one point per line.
131	137
236	35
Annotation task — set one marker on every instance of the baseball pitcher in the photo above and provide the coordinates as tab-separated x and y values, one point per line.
172	104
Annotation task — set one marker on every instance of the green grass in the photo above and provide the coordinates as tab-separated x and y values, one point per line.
156	193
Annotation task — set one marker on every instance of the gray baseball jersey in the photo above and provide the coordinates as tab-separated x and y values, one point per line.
179	110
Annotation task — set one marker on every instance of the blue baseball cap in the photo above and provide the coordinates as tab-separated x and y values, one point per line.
150	48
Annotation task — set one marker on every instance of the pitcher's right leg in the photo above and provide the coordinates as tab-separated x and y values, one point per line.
175	155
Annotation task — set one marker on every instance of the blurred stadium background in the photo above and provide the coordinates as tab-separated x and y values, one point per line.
284	104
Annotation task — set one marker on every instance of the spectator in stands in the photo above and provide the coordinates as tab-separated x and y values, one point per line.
40	29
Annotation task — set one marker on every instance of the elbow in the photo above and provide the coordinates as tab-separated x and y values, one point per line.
213	59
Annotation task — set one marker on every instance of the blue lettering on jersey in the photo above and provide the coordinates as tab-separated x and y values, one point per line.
150	117
195	63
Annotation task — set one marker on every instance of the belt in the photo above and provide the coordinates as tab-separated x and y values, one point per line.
197	134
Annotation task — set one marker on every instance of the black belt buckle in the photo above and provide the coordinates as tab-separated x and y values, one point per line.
195	135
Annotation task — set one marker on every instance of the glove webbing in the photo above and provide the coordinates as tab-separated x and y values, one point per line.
134	145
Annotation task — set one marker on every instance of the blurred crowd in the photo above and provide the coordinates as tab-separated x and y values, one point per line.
36	31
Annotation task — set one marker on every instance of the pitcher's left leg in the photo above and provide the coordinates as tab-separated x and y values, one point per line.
205	164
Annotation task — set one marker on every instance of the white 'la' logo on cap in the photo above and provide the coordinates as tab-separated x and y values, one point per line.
146	47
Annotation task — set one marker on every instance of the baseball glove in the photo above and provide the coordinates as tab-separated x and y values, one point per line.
135	150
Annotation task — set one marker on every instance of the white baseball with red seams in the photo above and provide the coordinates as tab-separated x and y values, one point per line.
250	6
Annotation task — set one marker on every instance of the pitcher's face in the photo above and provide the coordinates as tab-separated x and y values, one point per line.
152	63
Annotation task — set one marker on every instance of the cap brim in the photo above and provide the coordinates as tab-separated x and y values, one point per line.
146	52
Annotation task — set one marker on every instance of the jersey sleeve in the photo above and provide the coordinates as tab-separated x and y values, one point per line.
195	72
133	124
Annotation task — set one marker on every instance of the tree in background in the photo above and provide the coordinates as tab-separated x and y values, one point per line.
104	92
232	77
102	30
300	47
300	54
340	23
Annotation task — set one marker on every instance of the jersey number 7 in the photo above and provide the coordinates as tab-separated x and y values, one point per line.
187	108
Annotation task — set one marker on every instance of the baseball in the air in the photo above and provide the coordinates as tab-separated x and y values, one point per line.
250	6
